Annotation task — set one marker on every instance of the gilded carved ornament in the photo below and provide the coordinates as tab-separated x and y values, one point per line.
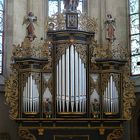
36	48
25	134
57	22
108	51
80	48
115	135
129	98
105	79
11	94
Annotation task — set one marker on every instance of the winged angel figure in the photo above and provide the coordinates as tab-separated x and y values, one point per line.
29	20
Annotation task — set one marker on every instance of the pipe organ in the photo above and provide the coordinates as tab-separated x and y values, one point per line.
69	84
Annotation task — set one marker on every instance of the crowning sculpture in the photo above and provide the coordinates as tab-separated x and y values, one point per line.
70	5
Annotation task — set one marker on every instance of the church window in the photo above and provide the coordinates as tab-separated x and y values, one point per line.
134	15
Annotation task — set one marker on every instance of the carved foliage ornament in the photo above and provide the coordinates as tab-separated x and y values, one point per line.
85	23
36	48
11	94
108	51
105	79
115	135
80	48
128	93
26	134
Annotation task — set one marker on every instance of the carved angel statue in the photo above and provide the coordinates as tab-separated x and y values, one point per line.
29	20
71	5
110	28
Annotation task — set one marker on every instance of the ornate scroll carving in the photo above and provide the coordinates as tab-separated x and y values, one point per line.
11	94
26	134
85	23
82	50
61	48
56	22
128	93
104	80
36	48
116	134
108	51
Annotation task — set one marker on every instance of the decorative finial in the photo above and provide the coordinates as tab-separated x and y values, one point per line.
29	20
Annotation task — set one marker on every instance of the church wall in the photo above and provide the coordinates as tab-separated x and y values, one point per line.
7	125
118	9
39	11
18	27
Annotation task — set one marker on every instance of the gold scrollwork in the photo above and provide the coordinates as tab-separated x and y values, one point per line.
128	94
36	48
82	50
26	134
56	22
85	23
104	80
11	94
61	48
116	134
108	51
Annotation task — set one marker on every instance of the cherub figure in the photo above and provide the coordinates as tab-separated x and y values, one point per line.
30	19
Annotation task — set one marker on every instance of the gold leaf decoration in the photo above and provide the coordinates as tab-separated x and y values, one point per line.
115	135
108	51
82	50
128	93
11	94
36	48
86	23
25	134
58	22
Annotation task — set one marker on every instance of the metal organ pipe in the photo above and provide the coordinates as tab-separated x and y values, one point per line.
30	96
111	97
71	82
67	80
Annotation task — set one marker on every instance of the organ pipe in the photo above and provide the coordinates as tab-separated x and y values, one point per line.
30	96
71	82
111	97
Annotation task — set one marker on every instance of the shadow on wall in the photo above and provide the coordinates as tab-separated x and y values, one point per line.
8	128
